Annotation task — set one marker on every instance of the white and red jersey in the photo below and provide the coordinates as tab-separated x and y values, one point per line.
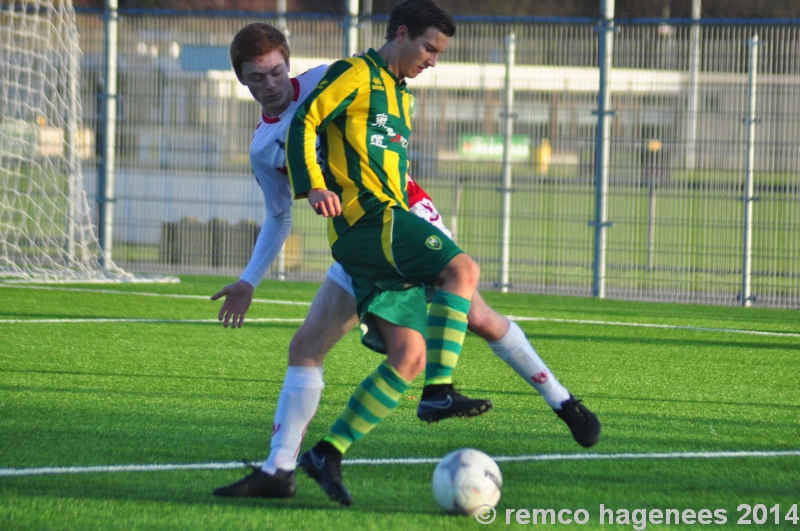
268	151
421	204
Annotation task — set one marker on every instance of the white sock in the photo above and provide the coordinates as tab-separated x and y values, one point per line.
517	352
297	405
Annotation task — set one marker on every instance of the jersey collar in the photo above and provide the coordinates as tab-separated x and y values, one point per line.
276	119
378	60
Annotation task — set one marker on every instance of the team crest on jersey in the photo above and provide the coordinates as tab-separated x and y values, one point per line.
433	242
377	83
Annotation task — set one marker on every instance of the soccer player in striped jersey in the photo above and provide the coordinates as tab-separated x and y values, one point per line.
361	113
260	57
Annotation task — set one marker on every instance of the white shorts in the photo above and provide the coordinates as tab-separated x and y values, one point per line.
340	276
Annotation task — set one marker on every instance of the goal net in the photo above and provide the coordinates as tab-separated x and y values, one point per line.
46	229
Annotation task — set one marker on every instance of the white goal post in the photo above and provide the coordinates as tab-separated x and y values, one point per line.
46	232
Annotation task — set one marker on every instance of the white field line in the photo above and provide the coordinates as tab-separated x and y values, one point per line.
301	303
651	325
145	294
300	320
123	320
11	472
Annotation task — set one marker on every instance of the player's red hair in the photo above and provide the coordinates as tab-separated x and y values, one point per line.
256	40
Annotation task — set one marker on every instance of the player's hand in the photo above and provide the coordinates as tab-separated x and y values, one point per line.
359	54
238	297
324	202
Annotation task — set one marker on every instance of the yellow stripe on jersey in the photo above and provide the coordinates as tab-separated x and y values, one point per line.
337	162
386	236
391	97
407	108
392	164
305	173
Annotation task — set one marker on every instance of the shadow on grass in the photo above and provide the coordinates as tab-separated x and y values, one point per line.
154	487
176	377
781	405
488	392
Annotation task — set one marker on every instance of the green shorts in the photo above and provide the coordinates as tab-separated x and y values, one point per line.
391	255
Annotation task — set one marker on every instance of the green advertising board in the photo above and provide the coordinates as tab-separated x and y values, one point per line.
490	147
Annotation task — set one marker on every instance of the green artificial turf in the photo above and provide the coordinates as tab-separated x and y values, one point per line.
117	393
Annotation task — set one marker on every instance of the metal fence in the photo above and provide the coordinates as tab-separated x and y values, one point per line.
677	194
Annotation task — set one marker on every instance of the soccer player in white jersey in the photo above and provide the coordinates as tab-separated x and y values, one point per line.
260	57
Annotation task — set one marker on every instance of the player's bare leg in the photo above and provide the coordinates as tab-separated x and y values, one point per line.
332	315
508	341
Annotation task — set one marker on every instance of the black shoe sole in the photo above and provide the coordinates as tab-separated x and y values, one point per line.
589	443
286	494
246	491
437	415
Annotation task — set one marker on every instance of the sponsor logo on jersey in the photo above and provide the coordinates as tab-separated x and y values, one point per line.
377	84
433	242
397	139
377	140
381	122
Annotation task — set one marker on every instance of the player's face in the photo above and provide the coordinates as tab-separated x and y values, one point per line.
423	52
268	80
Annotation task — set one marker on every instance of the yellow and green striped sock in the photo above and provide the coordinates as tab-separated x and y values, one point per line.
447	326
371	402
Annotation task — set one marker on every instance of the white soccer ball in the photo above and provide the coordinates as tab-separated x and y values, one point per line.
466	479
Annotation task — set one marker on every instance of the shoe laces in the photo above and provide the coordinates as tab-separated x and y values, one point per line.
251	464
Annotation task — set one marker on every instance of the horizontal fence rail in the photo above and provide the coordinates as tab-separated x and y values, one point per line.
186	200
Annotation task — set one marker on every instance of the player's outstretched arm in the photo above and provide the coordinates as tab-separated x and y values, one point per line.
238	297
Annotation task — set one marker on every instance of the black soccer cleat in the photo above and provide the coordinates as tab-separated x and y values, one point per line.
259	484
448	402
582	423
326	470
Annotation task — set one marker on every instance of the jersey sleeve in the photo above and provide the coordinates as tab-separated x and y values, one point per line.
268	245
335	91
421	205
415	191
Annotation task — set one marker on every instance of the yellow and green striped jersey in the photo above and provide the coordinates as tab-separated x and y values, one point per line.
362	117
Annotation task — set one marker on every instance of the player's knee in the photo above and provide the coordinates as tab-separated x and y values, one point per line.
416	363
472	270
462	270
408	358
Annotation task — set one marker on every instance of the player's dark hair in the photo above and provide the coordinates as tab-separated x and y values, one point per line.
417	16
256	40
